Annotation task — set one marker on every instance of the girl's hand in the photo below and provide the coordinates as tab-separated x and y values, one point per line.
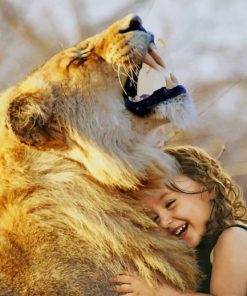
131	285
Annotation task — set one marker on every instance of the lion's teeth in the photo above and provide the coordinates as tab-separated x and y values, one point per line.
150	61
135	99
173	79
153	52
169	83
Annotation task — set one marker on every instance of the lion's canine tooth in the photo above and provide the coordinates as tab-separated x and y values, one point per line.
169	83
150	61
173	79
153	52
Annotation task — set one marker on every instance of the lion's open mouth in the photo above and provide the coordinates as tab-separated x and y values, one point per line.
173	101
144	104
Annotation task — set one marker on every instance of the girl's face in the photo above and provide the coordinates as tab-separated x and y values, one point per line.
184	215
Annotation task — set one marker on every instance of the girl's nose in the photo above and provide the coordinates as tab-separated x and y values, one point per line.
165	220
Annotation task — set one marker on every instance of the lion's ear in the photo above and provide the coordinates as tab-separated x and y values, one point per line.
34	123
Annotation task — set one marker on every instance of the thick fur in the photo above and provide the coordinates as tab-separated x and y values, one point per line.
70	153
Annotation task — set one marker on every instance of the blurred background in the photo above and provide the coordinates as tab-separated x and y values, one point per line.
204	43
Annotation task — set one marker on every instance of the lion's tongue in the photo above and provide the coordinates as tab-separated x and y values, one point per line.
149	102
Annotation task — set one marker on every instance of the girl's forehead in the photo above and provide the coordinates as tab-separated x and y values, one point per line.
185	183
181	178
178	186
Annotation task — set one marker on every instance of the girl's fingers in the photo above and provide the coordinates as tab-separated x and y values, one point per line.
123	288
121	278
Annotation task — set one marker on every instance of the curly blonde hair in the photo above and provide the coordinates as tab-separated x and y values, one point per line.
229	206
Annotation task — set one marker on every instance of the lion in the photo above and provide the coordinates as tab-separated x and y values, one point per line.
76	140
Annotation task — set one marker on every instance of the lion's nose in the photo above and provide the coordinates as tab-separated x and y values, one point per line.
136	24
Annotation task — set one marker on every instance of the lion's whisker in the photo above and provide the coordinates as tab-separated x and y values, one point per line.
126	70
119	79
134	67
131	72
136	50
138	68
118	70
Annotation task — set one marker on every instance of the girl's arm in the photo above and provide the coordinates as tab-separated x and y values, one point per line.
229	272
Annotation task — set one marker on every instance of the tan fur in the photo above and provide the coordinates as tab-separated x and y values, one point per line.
69	154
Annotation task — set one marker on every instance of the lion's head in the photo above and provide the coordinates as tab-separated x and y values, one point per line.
83	104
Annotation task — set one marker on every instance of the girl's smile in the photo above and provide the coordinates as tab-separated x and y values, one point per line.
184	211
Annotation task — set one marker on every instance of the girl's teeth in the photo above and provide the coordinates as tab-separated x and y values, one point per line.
180	229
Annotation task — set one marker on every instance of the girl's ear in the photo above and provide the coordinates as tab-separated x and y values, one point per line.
33	122
211	195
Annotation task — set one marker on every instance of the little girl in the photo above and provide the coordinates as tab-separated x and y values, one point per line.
204	207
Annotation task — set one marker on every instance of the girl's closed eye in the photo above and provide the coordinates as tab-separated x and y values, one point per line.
170	204
156	219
